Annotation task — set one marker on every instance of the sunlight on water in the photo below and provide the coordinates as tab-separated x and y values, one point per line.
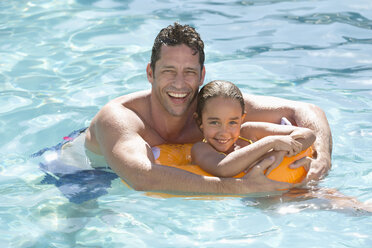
61	61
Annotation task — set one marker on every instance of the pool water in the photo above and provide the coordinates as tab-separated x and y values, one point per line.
61	61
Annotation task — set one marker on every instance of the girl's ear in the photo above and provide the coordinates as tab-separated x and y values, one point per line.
197	120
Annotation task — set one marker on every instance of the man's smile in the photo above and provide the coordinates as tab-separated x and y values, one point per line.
178	97
177	94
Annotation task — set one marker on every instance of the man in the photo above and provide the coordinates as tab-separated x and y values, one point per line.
127	127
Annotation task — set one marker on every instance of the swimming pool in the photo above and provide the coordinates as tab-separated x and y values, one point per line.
61	61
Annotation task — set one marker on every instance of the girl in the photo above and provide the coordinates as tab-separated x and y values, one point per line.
229	146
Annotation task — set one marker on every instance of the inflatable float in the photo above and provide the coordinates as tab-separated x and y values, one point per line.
179	156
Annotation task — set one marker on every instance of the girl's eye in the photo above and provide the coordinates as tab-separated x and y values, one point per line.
233	122
213	123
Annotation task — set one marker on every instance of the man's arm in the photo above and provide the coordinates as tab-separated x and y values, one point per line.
130	156
272	109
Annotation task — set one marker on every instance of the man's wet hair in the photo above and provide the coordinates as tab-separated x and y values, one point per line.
175	35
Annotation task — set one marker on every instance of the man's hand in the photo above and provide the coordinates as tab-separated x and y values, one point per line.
260	183
316	168
278	158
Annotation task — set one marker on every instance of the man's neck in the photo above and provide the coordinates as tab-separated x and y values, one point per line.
174	129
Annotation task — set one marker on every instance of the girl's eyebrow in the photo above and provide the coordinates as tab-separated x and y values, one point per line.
216	118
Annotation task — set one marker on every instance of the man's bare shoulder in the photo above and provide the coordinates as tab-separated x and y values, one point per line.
122	116
268	108
268	102
123	110
131	100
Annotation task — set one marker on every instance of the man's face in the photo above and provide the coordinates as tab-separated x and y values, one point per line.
176	79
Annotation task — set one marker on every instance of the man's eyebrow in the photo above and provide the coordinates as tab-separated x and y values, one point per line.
172	67
191	68
167	66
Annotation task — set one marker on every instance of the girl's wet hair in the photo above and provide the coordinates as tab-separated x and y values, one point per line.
217	88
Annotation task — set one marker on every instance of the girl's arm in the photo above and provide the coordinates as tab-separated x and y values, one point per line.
269	137
258	130
272	109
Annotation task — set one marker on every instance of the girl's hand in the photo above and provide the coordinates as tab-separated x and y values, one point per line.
288	144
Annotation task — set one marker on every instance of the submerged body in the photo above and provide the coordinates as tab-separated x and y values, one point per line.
125	129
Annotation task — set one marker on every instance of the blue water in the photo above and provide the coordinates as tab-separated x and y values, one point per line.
61	61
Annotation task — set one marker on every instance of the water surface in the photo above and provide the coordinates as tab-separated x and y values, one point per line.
61	61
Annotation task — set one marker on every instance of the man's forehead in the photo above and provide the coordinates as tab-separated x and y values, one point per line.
182	48
170	55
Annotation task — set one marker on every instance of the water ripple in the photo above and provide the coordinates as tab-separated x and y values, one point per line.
349	18
12	100
352	40
61	61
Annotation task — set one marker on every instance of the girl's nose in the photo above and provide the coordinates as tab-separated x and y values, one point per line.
223	129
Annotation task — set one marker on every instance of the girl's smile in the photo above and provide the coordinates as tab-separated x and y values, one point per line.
221	121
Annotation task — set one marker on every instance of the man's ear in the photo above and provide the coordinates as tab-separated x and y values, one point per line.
243	117
202	76
150	73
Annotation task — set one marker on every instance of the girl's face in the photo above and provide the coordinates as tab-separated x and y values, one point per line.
221	121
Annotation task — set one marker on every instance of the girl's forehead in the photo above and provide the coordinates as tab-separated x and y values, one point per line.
219	103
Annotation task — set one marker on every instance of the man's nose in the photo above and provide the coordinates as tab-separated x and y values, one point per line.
179	80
